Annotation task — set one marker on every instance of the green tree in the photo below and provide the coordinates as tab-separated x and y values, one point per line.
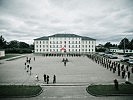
131	45
13	44
2	43
107	45
124	43
23	45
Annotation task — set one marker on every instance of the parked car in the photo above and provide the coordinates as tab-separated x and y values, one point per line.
124	60
113	57
130	62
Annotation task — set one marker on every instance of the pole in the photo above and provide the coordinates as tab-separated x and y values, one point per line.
124	46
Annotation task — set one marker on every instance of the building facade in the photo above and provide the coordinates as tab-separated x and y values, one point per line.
59	43
2	53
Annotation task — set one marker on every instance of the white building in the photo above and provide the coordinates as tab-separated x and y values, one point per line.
69	43
120	51
2	53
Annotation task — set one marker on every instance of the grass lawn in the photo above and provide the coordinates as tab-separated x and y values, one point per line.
9	56
105	90
19	90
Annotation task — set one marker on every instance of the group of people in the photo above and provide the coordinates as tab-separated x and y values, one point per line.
64	61
112	66
28	68
46	78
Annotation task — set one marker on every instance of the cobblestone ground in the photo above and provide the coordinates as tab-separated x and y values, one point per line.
78	71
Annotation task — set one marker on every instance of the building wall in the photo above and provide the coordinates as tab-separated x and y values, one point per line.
2	53
74	44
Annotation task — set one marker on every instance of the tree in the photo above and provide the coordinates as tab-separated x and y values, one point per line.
131	45
13	44
107	45
23	45
2	43
124	43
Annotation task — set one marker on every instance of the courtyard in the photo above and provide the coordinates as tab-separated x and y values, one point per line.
72	79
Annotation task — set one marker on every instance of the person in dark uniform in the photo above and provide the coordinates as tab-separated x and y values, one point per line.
54	79
47	79
64	63
128	73
44	76
116	84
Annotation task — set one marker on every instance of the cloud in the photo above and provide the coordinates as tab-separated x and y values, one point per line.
29	19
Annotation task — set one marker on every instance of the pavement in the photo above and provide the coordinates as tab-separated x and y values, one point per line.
72	80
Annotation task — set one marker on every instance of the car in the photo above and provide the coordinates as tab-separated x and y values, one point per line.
124	60
113	57
130	62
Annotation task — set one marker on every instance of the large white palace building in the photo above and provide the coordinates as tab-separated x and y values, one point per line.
69	43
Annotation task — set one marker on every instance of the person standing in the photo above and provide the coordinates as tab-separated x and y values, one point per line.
44	76
37	78
34	58
54	79
47	79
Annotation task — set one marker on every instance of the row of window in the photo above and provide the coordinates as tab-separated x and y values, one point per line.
64	38
60	42
60	46
59	50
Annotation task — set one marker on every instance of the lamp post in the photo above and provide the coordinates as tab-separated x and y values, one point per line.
124	46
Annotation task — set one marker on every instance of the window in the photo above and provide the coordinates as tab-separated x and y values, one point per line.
79	42
47	49
86	46
40	46
76	42
86	42
69	42
43	49
36	42
79	46
40	42
69	46
72	42
65	42
60	42
64	45
40	50
83	46
76	46
85	49
72	46
37	50
36	45
43	42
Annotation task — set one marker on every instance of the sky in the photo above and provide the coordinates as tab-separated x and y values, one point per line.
104	20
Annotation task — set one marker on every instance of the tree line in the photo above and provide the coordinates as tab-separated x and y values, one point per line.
15	46
124	43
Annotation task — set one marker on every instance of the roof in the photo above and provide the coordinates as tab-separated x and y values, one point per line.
65	35
42	38
87	38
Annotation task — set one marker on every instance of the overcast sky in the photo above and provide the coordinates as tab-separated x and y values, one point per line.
25	20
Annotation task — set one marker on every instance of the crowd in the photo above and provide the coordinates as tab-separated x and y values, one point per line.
113	66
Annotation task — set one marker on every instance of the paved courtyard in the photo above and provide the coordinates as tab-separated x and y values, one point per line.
72	79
